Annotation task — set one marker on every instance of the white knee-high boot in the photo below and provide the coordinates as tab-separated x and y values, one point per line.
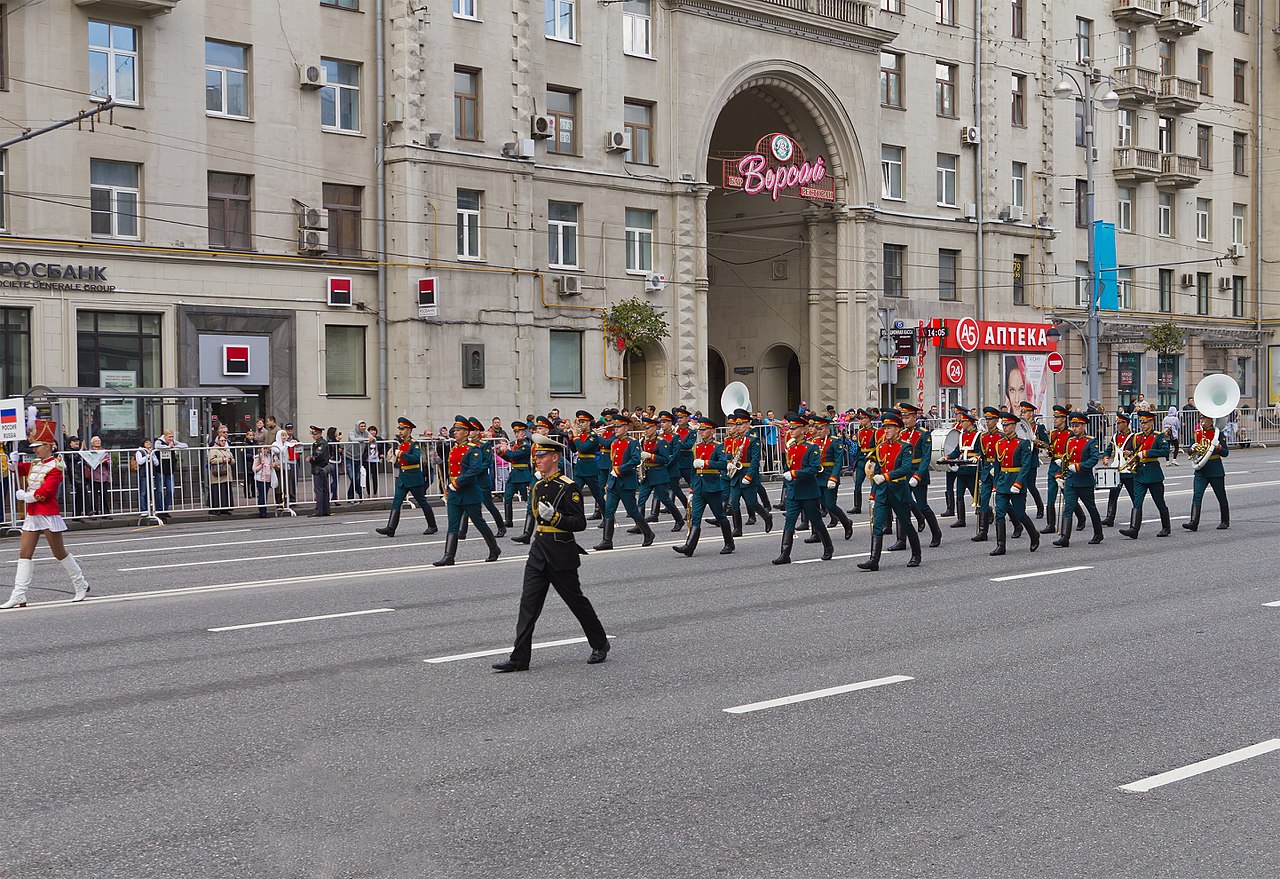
18	598
72	567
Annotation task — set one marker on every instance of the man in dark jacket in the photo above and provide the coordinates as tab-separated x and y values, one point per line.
319	461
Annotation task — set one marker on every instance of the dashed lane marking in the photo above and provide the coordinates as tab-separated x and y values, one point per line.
816	694
501	650
1201	767
1040	573
327	616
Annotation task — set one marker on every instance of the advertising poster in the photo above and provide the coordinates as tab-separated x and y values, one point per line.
122	415
1025	377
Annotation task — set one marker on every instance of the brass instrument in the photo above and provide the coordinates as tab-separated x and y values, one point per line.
1127	463
735	461
1216	397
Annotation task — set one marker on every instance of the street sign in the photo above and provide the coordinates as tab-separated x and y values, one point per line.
428	304
1055	362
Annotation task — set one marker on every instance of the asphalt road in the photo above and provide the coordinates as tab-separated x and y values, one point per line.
141	744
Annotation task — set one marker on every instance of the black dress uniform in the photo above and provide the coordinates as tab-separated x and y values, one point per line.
554	559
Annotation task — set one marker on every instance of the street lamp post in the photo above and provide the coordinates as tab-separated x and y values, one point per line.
1085	89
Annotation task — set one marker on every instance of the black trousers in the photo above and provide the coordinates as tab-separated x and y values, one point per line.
533	594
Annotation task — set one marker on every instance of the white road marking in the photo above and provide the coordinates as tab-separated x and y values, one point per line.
1272	604
501	650
94	555
1202	766
1040	573
852	555
816	694
177	535
327	616
292	555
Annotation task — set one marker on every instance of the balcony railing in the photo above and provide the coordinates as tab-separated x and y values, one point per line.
1178	171
1135	11
1137	163
1178	95
1136	85
1178	18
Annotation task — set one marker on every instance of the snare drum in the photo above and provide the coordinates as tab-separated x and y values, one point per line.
1107	477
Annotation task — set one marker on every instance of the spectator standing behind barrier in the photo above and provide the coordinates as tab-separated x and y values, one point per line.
334	438
265	467
373	456
73	489
1172	427
354	455
246	454
97	476
222	466
146	463
319	461
288	444
165	447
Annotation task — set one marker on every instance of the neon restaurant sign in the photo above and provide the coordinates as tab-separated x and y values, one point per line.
778	168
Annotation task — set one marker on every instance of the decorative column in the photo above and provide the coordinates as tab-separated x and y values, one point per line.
701	290
845	364
810	383
865	320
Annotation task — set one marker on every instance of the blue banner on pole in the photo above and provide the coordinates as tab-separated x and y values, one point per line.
1104	255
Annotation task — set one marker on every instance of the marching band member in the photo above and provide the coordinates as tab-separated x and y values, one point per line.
987	471
864	441
518	455
1011	474
831	464
466	468
410	480
921	443
1210	474
893	468
741	446
687	437
800	489
43	477
624	460
1148	477
586	445
709	463
657	455
486	478
1028	414
1057	446
962	465
1079	458
1116	447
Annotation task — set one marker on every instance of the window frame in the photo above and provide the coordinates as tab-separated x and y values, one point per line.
944	96
460	8
1239	81
1204	72
343	214
1018	108
1204	283
231	203
941	180
1018	19
1164	284
552	29
559	117
892	6
891	185
111	54
464	100
894	257
1125	125
1166	135
363	373
1082	203
1019	284
222	72
339	90
636	244
1204	146
1084	39
577	389
948	275
1165	215
1239	17
150	364
631	25
1124	288
635	128
349	5
15	350
114	192
470	234
1018	185
1204	219
556	231
1124	208
1238	295
1240	153
944	12
1239	222
891	80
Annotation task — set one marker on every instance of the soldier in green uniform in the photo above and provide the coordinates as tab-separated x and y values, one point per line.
1148	477
586	469
486	484
892	469
962	464
1210	474
410	480
921	442
1116	448
1078	483
709	463
1027	412
465	471
624	460
987	469
831	462
519	480
742	447
863	441
657	456
800	489
1011	474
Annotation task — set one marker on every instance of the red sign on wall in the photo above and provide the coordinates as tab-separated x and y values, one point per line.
968	334
951	369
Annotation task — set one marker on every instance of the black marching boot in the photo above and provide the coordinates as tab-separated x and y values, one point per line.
984	524
1226	517
526	536
1017	529
491	541
935	530
1109	520
1194	524
393	522
1064	532
450	550
431	520
1097	533
506	509
690	543
648	534
873	563
727	533
1001	537
737	523
828	549
813	536
1165	528
1079	517
1135	525
1051	520
768	520
959	514
606	542
1030	528
913	538
679	524
784	555
597	515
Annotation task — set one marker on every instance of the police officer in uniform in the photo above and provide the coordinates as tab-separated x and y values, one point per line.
1078	483
800	489
1011	475
1148	477
554	559
519	479
586	471
709	463
465	468
410	480
1210	474
892	470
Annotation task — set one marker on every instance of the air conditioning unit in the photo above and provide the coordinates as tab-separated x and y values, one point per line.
313	241
1238	251
655	283
568	285
618	141
312	76
1188	279
313	218
1011	214
970	135
1224	284
970	211
518	149
543	126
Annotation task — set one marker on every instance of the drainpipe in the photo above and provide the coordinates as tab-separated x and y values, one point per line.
981	277
1261	391
380	168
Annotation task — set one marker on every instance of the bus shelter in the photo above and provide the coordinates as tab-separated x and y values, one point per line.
123	417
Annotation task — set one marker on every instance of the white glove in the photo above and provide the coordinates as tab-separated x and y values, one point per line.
646	456
1074	468
786	476
1017	489
615	472
913	481
545	511
26	497
878	479
831	483
699	464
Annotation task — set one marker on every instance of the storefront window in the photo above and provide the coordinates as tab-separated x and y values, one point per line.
15	351
119	350
1167	381
1128	378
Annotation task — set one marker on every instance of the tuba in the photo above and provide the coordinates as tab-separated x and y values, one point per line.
735	396
1216	397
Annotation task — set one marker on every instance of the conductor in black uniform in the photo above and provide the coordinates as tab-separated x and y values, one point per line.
554	558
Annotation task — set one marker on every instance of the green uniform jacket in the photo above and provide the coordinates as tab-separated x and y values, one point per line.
519	458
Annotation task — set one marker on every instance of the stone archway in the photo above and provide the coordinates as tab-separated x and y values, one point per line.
716	380
646	378
779	381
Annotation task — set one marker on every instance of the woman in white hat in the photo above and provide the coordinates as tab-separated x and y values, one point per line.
44	516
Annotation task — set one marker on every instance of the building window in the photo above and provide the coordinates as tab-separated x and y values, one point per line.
1165	50
1083	284
1080	121
1082	204
637	28
1019	279
1124	289
1164	134
1124	209
113	62
1206	6
562	105
1238	17
226	79
1238	69
1019	185
947	170
895	265
344	361
944	11
230	212
468	224
637	119
1237	223
1018	110
1238	142
4	161
4	47
1126	45
113	198
341	4
562	235
1165	215
891	79
1084	40
15	351
1167	385
1128	377
117	342
945	89
1018	19
639	238
1203	280
343	205
1203	206
1204	71
894	6
1237	296
466	104
565	362
891	172
340	99
1204	146
1166	291
561	20
947	263
465	9
1124	127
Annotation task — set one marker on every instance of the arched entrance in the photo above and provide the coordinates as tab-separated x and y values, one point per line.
646	381
715	383
779	381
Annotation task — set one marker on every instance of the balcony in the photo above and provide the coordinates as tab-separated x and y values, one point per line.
1178	172
1178	18
1135	12
1137	164
1178	95
841	22
150	7
1136	85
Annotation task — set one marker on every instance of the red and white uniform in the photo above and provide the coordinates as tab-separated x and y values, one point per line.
43	479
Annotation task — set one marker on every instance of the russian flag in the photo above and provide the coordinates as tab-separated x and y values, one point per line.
8	416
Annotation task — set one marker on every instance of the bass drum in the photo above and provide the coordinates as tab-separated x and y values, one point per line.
945	441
